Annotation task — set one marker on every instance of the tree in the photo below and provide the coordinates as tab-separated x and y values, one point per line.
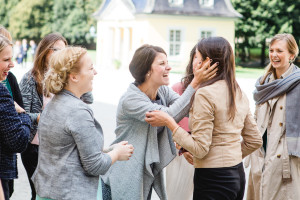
5	11
265	18
73	19
31	19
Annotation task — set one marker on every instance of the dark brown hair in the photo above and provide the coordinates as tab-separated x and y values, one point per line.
291	46
39	65
189	74
142	60
219	50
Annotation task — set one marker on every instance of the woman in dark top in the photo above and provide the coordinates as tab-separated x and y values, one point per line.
14	124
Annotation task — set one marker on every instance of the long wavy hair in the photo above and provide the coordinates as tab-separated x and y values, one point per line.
40	66
292	48
189	74
219	50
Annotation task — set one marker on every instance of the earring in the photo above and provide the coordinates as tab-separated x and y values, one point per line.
290	61
148	74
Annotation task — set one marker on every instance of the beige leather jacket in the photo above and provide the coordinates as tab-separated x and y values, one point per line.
215	140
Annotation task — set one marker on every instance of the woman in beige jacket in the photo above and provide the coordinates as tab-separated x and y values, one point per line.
275	168
219	116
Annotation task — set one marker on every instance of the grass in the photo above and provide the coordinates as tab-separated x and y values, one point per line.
244	72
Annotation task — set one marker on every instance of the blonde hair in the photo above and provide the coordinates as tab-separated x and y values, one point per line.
4	42
62	64
291	46
5	32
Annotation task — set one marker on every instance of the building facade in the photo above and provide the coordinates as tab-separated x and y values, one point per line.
175	25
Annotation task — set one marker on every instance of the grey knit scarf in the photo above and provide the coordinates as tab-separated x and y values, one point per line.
291	87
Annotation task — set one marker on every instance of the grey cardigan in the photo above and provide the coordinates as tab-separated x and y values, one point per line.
152	151
33	101
70	154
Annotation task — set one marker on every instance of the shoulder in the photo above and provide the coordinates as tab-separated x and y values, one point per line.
213	89
27	79
133	95
3	91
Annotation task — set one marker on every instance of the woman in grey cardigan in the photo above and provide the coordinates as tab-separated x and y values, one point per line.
154	148
71	156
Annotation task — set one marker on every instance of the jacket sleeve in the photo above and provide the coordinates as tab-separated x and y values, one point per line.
27	87
202	124
14	127
85	131
251	136
136	105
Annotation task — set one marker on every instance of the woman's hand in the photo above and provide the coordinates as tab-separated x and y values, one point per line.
204	72
189	157
160	118
18	108
124	150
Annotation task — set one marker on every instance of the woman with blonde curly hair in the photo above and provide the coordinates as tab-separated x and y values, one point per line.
71	155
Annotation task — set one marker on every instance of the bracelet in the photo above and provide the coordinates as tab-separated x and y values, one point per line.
175	129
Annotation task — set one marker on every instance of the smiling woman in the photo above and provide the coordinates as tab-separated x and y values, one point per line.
277	115
14	123
154	148
6	62
71	140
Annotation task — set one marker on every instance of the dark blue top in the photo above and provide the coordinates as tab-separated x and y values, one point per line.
14	134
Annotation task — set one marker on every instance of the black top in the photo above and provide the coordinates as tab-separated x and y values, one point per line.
17	97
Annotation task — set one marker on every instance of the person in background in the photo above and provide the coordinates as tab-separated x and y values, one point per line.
17	52
275	168
32	48
180	172
154	148
219	116
31	87
71	156
12	85
24	51
14	123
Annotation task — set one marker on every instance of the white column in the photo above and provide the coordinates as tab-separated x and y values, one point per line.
126	48
117	40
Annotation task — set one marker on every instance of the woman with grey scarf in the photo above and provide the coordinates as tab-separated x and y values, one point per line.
275	168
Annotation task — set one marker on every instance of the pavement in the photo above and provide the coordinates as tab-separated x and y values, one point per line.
108	85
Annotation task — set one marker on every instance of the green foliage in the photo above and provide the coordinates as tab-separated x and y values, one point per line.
33	19
5	10
263	19
73	19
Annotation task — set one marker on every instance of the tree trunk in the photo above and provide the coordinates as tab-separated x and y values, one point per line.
263	54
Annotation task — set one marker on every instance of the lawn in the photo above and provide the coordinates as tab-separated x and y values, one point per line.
243	72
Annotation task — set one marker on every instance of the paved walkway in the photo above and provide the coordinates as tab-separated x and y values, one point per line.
109	85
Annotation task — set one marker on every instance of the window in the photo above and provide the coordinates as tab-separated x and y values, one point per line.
176	2
206	3
175	42
206	32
